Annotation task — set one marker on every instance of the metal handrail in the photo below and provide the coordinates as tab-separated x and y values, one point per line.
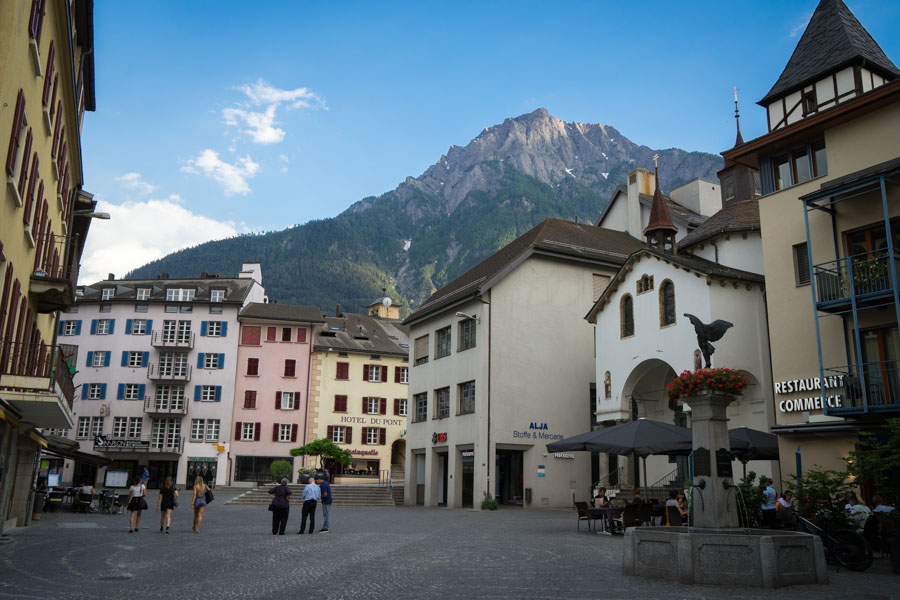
859	274
870	386
154	372
607	480
174	340
666	480
150	406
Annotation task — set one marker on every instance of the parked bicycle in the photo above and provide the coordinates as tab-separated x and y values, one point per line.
845	546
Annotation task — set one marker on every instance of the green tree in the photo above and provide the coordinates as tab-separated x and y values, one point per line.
751	498
821	495
878	460
323	447
280	468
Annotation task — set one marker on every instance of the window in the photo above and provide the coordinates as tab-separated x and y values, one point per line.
211	360
401	374
421	402
253	366
290	367
373	406
801	264
799	165
72	327
215	309
165	433
180	295
301	335
143	294
95	390
198	427
135	359
400	406
173	364
209	393
214	329
782	171
645	284
728	188
250	399
71	309
285	334
169	397
171	308
98	359
343	371
372	373
337	434
216	295
284	432
820	161
104	326
132	391
84	427
96	426
139	327
467	398
107	293
626	316
185	309
442	343
287	400
250	336
666	304
120	427
271	334
135	427
184	332
442	403
212	430
105	308
58	432
141	307
372	435
466	334
420	350
340	403
248	432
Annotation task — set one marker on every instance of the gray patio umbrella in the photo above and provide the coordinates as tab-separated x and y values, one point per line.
641	437
750	444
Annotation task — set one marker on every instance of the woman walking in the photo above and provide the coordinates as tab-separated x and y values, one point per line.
136	504
166	503
280	507
198	501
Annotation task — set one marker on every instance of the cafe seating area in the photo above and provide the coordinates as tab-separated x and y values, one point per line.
72	499
620	514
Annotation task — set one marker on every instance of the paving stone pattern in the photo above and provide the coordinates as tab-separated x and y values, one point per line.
402	552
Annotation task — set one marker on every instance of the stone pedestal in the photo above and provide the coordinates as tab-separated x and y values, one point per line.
713	497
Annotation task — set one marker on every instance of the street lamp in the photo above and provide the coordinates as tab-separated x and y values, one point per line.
90	214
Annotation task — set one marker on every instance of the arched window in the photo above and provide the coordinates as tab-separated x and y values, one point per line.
626	316
666	304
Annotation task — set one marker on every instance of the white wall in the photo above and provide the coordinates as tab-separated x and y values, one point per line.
736	252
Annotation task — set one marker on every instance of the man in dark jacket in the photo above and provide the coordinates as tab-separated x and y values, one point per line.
326	502
281	506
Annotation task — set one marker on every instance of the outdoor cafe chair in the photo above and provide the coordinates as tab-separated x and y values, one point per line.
629	517
54	501
584	515
645	514
83	504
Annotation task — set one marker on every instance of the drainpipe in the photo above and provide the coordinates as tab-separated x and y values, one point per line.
488	462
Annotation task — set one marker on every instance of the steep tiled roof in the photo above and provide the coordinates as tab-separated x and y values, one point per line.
833	38
282	312
737	217
659	219
362	333
236	288
680	212
551	235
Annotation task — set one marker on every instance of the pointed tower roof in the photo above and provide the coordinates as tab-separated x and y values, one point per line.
834	38
660	220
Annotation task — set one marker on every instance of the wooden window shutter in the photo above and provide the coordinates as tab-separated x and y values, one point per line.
296	400
340	404
384	372
250	335
383	404
277	400
293	432
45	98
348	435
256	432
23	176
290	367
301	335
31	183
365	405
330	433
396	406
420	348
382	436
270	333
365	372
56	129
34	18
18	119
396	374
237	430
365	435
274	432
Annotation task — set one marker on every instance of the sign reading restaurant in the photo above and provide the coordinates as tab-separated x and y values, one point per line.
812	384
102	442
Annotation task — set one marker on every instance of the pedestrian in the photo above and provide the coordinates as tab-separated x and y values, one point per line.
145	477
280	506
768	507
311	495
166	503
198	501
136	504
325	487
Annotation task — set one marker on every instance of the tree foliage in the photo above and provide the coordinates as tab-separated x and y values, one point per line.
323	447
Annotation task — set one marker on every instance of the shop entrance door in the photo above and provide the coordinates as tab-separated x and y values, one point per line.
509	477
468	479
159	470
84	472
442	479
205	468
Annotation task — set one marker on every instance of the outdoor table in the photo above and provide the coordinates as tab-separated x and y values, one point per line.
608	514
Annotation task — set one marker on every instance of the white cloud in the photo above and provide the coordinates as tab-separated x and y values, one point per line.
134	181
232	177
261	125
140	232
800	27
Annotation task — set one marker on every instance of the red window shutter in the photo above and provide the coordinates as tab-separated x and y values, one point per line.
33	18
250	399
365	435
382	436
237	430
330	433
56	132
250	335
365	405
294	432
18	119
384	373
274	432
343	370
396	374
296	400
396	406
45	98
270	333
258	428
341	402
301	335
29	200
40	19
53	97
383	407
252	366
290	367
277	400
23	175
348	435
365	372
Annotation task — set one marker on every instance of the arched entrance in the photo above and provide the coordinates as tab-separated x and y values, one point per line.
398	459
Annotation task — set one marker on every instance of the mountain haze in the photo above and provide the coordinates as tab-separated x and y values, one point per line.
430	229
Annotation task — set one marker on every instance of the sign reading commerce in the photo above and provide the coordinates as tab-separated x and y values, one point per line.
812	384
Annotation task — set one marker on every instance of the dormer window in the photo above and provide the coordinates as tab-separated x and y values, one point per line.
180	295
143	293
217	295
107	293
799	165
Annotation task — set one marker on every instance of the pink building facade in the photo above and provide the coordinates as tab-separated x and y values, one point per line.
271	388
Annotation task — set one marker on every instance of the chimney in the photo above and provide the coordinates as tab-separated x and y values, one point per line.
203	274
337	310
110	277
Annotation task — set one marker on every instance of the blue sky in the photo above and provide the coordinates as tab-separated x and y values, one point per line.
216	118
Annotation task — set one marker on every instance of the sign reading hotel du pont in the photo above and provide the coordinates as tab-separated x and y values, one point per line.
102	441
811	385
536	431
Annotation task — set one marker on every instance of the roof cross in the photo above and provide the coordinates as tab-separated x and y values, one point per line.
655	159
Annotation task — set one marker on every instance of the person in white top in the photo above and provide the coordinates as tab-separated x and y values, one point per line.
136	504
879	505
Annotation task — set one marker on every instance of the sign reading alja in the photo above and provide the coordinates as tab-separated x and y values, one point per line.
812	384
103	442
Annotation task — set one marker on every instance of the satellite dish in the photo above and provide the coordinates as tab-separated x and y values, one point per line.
386	302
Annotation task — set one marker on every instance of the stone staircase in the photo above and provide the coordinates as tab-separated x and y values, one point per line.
398	478
344	495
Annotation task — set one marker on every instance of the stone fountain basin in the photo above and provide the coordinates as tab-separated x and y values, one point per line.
754	557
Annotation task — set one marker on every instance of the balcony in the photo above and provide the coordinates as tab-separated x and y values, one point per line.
53	280
873	389
144	443
158	372
36	380
167	339
153	406
863	280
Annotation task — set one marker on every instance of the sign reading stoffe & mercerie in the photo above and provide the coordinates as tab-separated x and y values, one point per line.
536	431
812	384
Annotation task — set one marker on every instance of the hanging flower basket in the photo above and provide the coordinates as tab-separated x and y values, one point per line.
689	383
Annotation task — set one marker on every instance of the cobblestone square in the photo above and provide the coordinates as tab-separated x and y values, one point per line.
403	552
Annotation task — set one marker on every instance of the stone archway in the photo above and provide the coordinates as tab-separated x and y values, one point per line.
398	455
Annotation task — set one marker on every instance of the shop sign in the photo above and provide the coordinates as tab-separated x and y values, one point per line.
536	431
468	453
102	441
567	455
203	459
364	452
438	438
811	384
541	471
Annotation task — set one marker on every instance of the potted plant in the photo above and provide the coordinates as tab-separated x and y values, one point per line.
305	473
820	496
280	469
322	448
690	383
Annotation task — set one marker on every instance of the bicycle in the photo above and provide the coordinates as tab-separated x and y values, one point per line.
845	546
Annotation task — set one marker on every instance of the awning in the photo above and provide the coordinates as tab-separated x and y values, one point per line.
65	448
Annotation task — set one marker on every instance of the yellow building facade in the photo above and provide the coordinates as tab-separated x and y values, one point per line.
358	396
46	85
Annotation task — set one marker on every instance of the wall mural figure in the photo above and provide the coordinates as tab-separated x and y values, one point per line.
706	334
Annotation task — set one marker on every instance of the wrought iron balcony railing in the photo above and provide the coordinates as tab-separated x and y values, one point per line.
159	372
154	406
873	388
863	277
37	367
55	273
168	339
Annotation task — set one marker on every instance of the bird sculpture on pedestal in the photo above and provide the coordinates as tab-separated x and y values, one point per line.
707	334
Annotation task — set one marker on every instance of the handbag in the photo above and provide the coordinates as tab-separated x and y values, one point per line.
209	496
144	504
272	506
